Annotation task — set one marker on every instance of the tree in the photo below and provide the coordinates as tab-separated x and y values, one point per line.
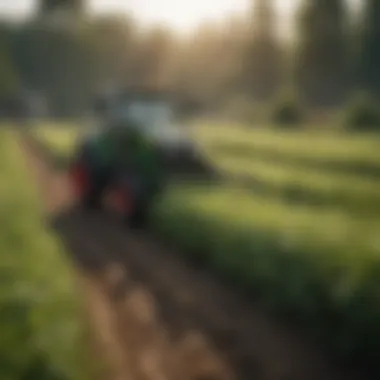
57	63
9	80
46	7
321	64
152	61
369	52
113	45
69	62
264	53
208	65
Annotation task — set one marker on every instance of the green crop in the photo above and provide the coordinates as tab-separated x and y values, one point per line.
42	332
351	191
320	267
323	147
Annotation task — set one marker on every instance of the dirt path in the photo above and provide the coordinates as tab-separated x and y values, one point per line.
156	317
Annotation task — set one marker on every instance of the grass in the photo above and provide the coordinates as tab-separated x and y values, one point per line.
346	190
60	136
298	225
42	331
318	147
318	265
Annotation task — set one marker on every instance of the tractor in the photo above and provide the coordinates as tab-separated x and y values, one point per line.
133	126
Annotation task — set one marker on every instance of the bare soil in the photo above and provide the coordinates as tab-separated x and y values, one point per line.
155	316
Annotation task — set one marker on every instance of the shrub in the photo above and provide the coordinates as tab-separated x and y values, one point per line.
287	111
362	113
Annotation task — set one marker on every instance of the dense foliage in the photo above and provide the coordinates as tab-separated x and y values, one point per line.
362	114
331	52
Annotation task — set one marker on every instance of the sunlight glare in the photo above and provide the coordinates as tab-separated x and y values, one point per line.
183	15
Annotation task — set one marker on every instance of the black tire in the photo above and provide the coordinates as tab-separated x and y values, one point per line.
140	217
92	199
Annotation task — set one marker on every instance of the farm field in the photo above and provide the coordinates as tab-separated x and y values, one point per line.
309	147
42	330
359	194
61	136
317	263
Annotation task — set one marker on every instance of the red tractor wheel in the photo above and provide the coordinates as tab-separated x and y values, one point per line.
79	179
121	200
125	204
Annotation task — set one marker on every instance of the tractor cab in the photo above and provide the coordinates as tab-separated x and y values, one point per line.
145	108
100	169
154	112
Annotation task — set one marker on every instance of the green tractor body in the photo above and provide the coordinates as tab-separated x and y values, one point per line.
136	149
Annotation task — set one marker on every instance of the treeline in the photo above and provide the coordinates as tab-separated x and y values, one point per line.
239	65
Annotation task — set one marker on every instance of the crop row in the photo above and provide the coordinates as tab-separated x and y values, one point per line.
42	335
317	268
312	186
315	148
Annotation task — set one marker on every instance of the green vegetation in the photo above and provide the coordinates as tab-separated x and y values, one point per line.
315	263
312	264
287	111
319	146
349	191
61	136
42	335
362	114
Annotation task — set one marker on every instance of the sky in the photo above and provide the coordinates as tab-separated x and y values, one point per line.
182	15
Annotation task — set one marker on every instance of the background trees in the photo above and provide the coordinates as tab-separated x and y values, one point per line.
332	54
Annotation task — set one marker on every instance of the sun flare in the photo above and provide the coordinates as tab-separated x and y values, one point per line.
183	15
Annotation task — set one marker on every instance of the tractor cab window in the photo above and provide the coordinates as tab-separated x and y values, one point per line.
151	116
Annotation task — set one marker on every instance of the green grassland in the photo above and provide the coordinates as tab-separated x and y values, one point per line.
319	147
348	191
60	136
316	263
42	333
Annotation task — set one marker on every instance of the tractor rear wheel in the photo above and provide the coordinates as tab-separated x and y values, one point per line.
138	219
92	194
91	199
82	184
141	210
